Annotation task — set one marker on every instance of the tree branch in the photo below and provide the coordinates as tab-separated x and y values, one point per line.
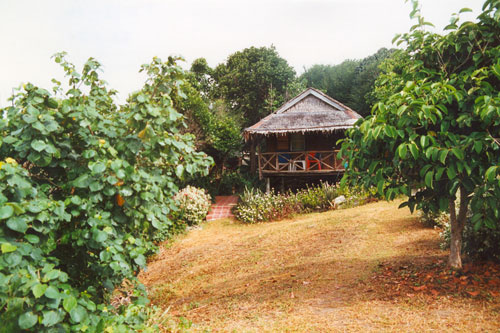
496	140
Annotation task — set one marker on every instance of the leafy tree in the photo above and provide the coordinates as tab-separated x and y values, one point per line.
350	82
253	82
363	83
216	132
201	77
336	81
85	185
432	134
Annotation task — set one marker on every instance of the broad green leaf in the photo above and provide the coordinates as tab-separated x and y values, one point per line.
7	247
414	150
380	186
69	303
6	212
50	318
88	154
99	236
442	155
179	170
451	172
454	187
52	292
78	313
33	239
36	206
429	151
38	290
82	181
140	260
478	146
53	274
141	98
491	173
424	141
98	167
27	320
18	209
38	145
402	151
429	179
439	173
459	153
17	224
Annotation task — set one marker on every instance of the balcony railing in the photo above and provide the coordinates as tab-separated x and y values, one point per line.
300	162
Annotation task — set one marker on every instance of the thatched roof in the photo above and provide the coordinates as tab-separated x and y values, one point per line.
311	111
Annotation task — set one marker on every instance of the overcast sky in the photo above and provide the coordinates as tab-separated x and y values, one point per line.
123	34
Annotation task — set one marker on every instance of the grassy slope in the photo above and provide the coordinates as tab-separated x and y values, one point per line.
312	273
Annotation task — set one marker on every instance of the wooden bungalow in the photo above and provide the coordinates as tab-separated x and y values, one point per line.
299	139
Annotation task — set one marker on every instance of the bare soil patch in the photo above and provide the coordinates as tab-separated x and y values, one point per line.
359	269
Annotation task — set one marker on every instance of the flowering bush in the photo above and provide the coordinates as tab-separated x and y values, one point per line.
257	206
194	204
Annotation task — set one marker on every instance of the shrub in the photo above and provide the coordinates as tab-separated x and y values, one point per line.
318	198
226	182
258	206
432	219
481	244
194	205
84	187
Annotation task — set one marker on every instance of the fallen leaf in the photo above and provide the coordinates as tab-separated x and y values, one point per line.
473	293
434	292
494	293
420	288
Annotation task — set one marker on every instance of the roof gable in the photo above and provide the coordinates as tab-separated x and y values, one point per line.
311	100
310	111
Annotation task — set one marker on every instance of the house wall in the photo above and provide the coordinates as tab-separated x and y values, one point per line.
310	103
313	141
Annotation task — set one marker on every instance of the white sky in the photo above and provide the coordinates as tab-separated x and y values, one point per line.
123	34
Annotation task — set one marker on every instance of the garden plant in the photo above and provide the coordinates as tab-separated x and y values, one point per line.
85	185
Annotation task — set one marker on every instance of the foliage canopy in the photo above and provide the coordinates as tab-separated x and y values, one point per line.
254	82
85	186
433	132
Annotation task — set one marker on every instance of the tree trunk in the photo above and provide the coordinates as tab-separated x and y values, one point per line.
457	224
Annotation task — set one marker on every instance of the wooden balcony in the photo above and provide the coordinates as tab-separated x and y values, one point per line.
300	163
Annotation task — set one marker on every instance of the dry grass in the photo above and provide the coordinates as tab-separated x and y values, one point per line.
314	273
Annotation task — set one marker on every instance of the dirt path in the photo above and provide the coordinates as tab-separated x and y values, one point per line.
315	273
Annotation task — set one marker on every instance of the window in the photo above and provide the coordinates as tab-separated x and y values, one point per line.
297	142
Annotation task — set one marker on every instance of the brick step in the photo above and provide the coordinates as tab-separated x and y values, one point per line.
222	207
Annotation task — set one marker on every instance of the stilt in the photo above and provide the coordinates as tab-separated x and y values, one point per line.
268	184
282	184
253	164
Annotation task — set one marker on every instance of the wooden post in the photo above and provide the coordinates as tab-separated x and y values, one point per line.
252	155
268	184
282	184
259	158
